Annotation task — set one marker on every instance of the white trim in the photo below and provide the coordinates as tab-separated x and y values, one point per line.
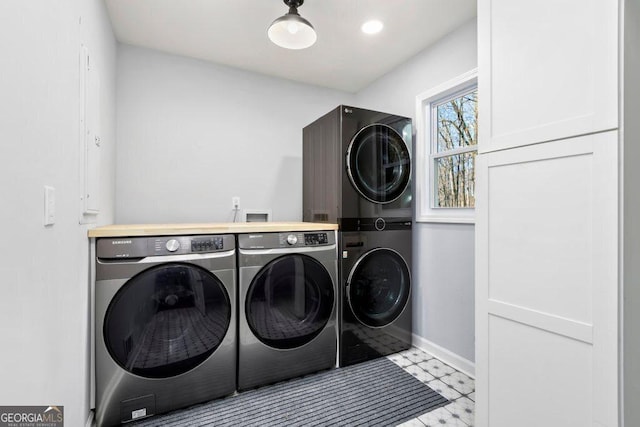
92	326
558	325
448	218
424	211
456	361
460	150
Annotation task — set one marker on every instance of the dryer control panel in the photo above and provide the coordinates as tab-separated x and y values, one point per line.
286	240
303	239
313	239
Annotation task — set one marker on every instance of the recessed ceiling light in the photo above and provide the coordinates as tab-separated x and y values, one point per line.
372	27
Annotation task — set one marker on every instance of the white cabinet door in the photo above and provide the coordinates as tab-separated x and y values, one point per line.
547	284
547	70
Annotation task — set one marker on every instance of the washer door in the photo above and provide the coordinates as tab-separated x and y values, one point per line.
378	163
167	320
289	301
378	287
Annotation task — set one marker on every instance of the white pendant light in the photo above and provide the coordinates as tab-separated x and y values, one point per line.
292	31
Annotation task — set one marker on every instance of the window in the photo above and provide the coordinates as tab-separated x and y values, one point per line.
453	150
446	149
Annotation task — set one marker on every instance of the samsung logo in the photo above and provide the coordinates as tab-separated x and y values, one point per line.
121	242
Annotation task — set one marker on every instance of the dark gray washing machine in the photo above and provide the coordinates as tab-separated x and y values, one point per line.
375	307
287	305
165	333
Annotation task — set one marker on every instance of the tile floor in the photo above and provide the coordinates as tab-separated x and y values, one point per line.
450	383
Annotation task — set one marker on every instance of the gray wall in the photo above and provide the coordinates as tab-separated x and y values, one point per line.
191	135
443	265
44	309
631	213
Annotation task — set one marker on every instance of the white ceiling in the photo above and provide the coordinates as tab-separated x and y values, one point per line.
234	33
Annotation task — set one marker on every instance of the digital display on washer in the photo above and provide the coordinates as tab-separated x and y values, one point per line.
315	239
206	244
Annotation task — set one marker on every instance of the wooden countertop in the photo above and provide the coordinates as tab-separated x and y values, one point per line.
132	230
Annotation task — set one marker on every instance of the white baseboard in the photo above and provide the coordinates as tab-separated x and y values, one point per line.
460	363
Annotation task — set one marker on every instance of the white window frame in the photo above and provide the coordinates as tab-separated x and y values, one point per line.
425	211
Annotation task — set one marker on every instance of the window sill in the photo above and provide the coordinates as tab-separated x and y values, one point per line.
446	219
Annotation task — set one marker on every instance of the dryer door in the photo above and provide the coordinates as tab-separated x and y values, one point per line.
167	320
378	287
378	163
289	301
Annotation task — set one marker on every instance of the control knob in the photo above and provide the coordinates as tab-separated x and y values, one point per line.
172	245
292	239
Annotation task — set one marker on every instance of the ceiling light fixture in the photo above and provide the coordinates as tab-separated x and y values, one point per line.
292	31
372	27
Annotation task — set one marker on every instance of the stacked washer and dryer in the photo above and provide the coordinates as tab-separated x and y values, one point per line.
357	173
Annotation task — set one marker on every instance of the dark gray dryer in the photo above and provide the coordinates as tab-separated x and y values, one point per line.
287	305
356	164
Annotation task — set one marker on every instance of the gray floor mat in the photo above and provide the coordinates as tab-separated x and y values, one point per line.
374	393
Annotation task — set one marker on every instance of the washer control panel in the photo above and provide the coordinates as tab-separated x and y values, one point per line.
139	247
187	244
207	244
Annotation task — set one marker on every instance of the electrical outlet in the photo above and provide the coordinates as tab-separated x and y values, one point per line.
235	203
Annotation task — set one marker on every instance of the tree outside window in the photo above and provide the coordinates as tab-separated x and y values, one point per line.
454	149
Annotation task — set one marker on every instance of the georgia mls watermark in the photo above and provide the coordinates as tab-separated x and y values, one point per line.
31	416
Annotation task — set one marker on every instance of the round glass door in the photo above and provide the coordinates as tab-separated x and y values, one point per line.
167	320
289	301
378	163
378	287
